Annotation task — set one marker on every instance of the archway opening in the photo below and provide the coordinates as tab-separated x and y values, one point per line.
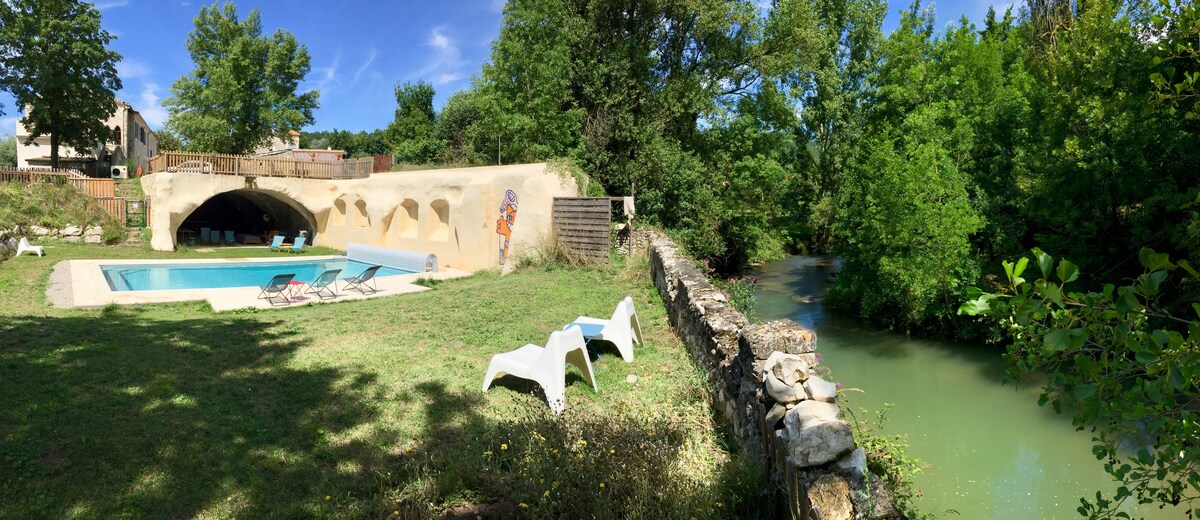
252	216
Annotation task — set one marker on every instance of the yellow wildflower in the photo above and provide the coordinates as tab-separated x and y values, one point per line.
601	485
503	446
523	505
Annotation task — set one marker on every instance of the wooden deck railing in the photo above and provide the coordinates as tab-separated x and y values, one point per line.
251	166
91	186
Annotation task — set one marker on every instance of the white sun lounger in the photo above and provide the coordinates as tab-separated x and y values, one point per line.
546	366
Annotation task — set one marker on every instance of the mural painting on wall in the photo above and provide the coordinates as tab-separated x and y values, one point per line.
508	216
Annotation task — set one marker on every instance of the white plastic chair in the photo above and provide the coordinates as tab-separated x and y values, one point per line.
24	246
623	329
546	366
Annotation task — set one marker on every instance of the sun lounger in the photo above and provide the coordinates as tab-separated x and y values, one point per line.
276	242
229	237
24	246
277	288
546	366
298	247
364	280
324	283
623	329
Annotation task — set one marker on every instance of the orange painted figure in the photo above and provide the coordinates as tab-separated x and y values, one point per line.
504	225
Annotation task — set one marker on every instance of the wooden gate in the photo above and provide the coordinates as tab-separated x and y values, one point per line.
583	224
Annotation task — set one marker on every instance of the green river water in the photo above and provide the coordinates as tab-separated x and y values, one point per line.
993	452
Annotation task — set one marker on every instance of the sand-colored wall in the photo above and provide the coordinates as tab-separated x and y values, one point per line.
456	209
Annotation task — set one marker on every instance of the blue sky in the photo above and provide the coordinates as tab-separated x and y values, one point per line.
360	49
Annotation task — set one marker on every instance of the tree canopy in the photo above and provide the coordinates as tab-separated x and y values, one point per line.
243	89
57	65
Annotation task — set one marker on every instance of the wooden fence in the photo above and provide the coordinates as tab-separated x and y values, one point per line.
123	208
251	166
89	185
584	224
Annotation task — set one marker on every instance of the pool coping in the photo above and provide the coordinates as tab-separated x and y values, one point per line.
87	287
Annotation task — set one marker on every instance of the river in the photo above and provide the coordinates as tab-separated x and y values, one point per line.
993	453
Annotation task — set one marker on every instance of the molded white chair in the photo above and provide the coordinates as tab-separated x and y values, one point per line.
546	366
24	246
623	329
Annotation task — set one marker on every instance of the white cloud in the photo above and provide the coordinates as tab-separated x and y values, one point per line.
8	125
370	59
111	4
449	77
150	105
132	69
446	65
328	76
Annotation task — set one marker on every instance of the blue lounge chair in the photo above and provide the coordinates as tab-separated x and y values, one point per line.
215	237
278	287
204	234
229	237
366	279
276	243
324	283
298	247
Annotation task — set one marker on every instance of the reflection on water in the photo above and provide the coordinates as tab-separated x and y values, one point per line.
994	453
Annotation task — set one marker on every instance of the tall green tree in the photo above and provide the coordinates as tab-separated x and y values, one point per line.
8	151
57	65
243	89
411	132
822	53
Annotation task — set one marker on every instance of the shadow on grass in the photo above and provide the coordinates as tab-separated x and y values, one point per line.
119	415
583	464
109	415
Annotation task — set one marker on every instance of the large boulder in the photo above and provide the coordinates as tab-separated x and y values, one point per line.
39	231
71	231
789	368
815	435
819	389
783	392
830	496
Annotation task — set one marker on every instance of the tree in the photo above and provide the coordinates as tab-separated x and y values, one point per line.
410	133
8	151
167	141
243	89
1118	362
57	65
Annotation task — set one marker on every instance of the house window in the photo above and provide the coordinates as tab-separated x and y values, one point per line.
142	134
117	135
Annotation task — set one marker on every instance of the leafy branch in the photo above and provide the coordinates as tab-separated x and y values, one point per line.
1121	364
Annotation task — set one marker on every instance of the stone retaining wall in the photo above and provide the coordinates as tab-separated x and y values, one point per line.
765	383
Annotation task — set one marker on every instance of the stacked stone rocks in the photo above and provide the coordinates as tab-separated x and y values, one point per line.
765	382
71	233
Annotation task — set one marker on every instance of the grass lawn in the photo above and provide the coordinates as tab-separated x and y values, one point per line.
359	409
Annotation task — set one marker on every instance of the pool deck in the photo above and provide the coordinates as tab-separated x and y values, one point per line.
81	284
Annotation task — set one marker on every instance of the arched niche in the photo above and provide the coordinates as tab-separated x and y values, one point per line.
409	215
439	223
338	217
360	214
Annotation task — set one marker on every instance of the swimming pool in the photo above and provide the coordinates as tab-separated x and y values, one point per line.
154	277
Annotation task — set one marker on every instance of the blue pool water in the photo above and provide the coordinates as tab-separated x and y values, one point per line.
153	277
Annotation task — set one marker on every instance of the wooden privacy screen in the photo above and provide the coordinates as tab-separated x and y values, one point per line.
582	224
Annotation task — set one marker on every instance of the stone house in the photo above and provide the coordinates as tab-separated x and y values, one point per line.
132	140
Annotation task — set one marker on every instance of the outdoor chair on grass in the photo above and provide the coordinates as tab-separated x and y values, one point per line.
204	236
324	283
229	239
623	329
276	243
364	280
24	246
298	247
214	237
546	366
279	287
